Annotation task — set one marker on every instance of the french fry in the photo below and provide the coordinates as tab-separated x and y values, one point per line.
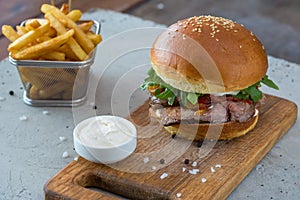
51	32
60	29
28	37
54	55
85	27
53	90
43	38
32	24
34	92
64	8
41	48
74	15
96	39
67	94
10	33
42	21
68	52
79	35
21	30
35	77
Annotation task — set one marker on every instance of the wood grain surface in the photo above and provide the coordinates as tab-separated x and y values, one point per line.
135	179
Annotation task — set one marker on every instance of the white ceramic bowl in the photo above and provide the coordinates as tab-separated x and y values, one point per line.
104	139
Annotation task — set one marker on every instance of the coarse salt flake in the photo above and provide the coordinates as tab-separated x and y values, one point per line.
160	6
212	169
194	164
76	158
203	180
193	171
65	154
23	118
218	166
178	195
183	169
62	138
45	112
163	176
146	160
153	168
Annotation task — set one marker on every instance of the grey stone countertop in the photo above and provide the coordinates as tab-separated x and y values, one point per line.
36	142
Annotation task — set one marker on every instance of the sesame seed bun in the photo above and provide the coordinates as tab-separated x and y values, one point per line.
208	54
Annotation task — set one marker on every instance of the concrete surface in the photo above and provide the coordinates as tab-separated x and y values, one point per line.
31	150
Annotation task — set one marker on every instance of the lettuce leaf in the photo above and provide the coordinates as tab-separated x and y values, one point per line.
167	92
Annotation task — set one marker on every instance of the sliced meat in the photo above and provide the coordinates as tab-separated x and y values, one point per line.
221	109
171	115
216	113
240	111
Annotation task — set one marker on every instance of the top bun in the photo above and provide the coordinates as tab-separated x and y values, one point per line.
208	54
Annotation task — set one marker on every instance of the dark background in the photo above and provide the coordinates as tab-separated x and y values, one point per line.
275	22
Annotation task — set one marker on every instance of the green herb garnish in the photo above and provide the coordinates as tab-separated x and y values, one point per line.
252	92
167	92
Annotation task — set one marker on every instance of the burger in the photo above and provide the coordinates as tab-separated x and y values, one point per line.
205	78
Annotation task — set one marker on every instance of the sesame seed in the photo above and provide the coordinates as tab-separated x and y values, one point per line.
263	47
240	46
217	39
235	31
254	39
251	33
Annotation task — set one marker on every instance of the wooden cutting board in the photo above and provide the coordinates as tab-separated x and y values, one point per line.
136	178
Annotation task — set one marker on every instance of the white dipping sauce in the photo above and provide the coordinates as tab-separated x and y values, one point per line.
106	131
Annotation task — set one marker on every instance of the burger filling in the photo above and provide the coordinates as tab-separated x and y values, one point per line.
172	106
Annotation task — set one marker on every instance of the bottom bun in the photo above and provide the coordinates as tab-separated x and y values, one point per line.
222	131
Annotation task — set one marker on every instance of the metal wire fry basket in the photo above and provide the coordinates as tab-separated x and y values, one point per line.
55	83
